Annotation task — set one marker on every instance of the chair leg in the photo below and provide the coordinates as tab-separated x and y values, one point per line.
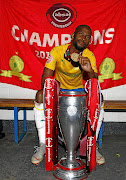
16	124
25	127
100	136
18	139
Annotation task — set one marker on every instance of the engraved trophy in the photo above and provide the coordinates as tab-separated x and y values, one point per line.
72	110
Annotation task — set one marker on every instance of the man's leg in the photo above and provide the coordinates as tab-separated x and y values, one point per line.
40	125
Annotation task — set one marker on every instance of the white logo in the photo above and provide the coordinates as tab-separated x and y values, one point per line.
48	96
58	13
90	139
49	86
90	143
71	110
49	117
49	110
49	142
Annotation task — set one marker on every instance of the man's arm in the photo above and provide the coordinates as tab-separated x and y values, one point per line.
92	74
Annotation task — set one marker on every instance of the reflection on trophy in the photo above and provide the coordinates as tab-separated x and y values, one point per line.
72	107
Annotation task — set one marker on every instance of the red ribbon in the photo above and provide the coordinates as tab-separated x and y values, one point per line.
49	96
52	88
89	148
93	113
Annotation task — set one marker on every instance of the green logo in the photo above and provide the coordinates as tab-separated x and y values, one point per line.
16	65
106	70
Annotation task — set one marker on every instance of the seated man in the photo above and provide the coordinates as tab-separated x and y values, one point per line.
69	63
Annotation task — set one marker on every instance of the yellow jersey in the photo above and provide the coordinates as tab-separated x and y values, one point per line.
70	77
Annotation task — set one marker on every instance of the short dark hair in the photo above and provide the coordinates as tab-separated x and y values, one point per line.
83	25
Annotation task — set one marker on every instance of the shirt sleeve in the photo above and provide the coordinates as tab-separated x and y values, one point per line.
93	62
51	61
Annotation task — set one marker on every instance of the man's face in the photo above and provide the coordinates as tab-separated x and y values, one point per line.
82	38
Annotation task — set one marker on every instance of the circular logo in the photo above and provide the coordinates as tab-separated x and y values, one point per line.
107	66
71	110
61	15
16	64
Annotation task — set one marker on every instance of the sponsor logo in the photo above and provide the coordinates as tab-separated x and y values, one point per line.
49	84
90	144
49	119
49	154
61	15
48	97
49	142
49	60
90	141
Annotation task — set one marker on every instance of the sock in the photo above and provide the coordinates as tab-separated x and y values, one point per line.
40	121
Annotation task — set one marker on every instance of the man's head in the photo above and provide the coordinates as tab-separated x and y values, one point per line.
81	37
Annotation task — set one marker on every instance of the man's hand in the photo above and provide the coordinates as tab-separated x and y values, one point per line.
86	66
85	63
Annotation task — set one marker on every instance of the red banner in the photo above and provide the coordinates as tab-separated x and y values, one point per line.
29	30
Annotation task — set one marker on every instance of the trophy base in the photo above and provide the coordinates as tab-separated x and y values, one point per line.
70	171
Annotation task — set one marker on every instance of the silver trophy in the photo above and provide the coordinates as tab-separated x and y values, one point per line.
72	108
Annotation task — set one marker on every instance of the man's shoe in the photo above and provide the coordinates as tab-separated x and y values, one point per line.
39	154
99	158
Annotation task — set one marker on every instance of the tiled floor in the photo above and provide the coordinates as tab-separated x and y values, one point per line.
15	160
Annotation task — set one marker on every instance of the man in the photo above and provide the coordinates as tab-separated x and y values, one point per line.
69	62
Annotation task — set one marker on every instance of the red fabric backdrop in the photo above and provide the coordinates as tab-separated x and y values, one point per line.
30	28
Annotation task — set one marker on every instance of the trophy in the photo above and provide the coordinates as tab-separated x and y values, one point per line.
72	108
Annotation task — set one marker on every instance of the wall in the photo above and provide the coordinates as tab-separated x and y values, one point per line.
11	91
15	92
115	93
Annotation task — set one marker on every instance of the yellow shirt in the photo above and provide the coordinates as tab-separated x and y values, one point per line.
70	77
